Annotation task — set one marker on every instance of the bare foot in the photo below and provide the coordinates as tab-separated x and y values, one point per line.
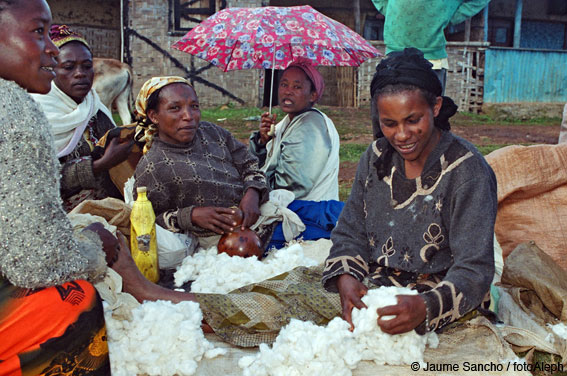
134	282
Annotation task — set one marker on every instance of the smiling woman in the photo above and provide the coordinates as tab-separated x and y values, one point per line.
51	318
78	120
194	171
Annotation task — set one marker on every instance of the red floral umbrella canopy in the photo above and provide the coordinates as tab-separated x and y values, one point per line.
244	38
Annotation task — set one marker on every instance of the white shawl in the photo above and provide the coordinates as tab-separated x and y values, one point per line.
68	119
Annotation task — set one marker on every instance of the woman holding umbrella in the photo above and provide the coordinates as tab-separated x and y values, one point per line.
303	154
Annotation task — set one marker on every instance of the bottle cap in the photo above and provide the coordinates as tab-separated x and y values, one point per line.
141	189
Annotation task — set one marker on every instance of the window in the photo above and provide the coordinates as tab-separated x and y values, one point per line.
186	14
373	28
500	32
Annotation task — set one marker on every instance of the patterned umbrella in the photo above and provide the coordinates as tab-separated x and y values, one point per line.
245	38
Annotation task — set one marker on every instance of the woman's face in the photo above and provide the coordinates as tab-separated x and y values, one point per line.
407	122
74	70
295	93
177	115
26	52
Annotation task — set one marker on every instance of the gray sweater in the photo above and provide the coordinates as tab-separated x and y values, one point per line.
37	245
433	233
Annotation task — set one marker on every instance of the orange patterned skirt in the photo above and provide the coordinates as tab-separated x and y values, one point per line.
58	330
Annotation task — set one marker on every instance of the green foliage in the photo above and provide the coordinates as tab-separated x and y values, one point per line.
351	152
344	190
467	118
240	121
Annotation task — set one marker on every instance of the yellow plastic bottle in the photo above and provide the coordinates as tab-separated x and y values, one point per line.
143	243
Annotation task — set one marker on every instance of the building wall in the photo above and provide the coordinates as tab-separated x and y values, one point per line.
151	55
516	75
98	21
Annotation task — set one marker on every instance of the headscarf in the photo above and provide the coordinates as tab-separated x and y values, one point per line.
145	129
312	73
61	34
409	67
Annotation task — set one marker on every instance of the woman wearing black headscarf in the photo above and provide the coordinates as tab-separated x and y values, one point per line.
422	208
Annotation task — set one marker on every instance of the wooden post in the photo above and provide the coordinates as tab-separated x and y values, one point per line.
357	16
468	30
485	15
518	23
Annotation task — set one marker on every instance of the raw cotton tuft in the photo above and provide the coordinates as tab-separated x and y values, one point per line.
303	348
161	339
219	273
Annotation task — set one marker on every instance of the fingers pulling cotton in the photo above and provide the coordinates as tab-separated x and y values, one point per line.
303	348
380	347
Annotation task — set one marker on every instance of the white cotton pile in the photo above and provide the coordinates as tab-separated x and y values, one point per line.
559	329
213	272
161	339
383	348
302	348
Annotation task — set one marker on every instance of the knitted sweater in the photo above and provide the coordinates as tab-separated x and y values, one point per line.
433	233
421	23
37	245
214	169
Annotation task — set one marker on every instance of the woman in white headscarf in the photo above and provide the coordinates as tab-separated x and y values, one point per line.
78	120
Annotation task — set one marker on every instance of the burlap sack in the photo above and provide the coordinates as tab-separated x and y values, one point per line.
532	198
115	211
533	296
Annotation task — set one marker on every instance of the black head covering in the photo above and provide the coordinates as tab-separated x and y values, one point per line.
409	67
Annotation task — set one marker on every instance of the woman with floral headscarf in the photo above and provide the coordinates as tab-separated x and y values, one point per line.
194	171
78	121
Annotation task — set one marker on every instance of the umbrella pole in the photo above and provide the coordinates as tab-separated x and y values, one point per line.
272	127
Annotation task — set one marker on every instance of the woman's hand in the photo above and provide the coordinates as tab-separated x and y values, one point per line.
110	245
410	312
351	291
114	153
213	218
250	207
265	125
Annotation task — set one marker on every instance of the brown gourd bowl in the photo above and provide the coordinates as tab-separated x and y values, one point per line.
243	243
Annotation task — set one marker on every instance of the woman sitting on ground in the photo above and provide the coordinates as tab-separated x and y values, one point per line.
303	154
422	208
78	120
195	171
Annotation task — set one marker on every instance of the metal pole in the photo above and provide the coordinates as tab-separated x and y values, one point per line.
122	31
518	23
357	16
